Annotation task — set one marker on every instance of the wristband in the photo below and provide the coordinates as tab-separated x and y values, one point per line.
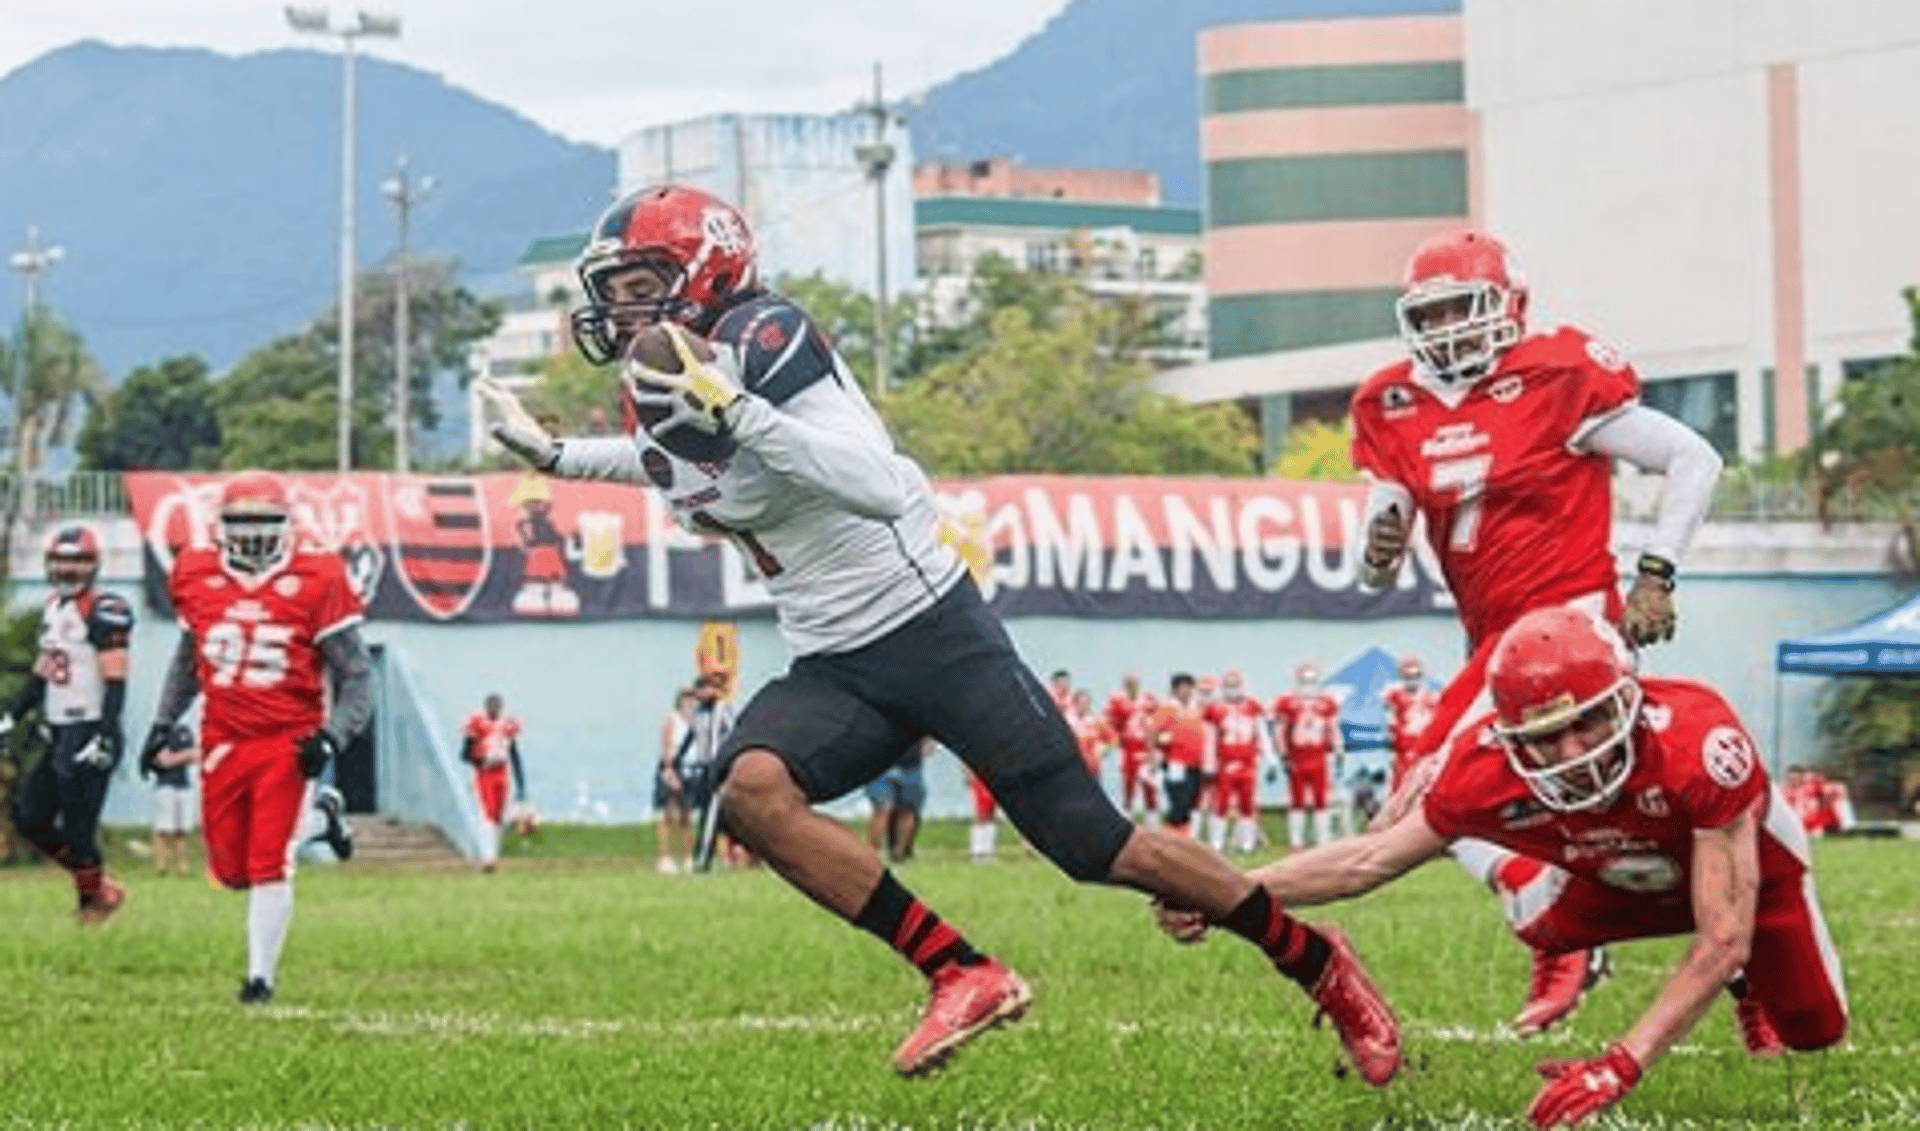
1657	568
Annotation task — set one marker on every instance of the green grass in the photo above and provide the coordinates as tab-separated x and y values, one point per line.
577	992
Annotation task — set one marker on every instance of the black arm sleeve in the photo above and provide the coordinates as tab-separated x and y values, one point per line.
113	703
32	693
181	686
352	667
467	750
519	776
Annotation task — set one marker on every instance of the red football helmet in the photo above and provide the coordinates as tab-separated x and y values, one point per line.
1307	676
254	517
696	245
73	560
1412	670
1566	699
1464	303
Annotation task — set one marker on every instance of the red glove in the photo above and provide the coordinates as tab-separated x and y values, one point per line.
1576	1089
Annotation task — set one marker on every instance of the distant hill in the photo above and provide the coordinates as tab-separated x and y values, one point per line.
1108	84
197	195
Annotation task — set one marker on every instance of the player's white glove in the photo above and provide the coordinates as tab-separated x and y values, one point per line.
95	753
515	428
699	395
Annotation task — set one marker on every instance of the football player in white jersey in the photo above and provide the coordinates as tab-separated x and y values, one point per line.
772	444
79	685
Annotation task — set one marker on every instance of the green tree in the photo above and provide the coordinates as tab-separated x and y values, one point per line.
1045	389
160	418
1318	450
19	645
845	316
278	407
47	372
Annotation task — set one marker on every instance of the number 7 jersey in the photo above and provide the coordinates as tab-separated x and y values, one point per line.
257	640
1519	514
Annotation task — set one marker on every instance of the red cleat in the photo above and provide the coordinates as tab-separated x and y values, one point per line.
1360	1013
95	909
1762	1039
966	1001
1560	982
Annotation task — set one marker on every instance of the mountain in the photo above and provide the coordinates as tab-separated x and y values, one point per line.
197	195
1108	84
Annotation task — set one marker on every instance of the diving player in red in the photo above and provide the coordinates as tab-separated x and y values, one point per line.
78	683
490	743
1237	720
1502	442
1410	705
1127	712
1653	797
265	626
1306	731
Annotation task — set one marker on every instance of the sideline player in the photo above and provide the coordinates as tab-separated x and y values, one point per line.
490	743
79	685
1306	731
266	624
1127	712
1410	705
1182	745
1503	441
1237	720
891	640
1653	796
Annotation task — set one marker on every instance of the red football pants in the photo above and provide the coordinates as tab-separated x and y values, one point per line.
1134	782
1307	784
983	802
251	797
1792	968
490	783
1233	789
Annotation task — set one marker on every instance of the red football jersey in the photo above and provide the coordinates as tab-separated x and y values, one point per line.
1409	710
1518	518
1310	724
492	737
1694	767
1236	729
1127	715
1094	735
257	640
1180	733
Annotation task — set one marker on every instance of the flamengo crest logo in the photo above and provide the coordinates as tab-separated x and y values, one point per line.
442	543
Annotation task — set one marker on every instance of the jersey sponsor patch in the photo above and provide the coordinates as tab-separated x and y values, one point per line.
1507	389
1646	873
1727	753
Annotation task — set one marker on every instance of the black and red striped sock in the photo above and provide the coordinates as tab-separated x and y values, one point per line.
910	927
1295	948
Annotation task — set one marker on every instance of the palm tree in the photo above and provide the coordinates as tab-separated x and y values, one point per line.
46	372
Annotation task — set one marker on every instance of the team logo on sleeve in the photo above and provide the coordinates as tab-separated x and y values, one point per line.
1507	389
1727	753
1396	400
1605	356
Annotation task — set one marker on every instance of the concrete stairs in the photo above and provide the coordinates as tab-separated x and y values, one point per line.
383	841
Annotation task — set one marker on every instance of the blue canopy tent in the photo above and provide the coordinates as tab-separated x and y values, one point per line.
1888	644
1358	684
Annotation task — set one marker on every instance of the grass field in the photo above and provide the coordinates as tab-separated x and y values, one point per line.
577	991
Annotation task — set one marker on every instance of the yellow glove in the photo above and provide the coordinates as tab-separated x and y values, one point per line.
699	395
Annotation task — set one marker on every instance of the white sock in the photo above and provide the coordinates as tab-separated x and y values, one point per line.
1244	834
982	839
489	842
1296	828
269	913
1480	858
1322	827
1217	832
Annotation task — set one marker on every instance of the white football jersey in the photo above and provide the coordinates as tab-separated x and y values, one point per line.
839	526
73	632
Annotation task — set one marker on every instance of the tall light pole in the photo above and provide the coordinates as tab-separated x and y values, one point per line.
319	21
32	261
404	194
876	157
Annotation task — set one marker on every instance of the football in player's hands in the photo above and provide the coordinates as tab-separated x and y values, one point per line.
655	405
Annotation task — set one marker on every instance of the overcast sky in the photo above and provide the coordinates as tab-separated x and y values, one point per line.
592	70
